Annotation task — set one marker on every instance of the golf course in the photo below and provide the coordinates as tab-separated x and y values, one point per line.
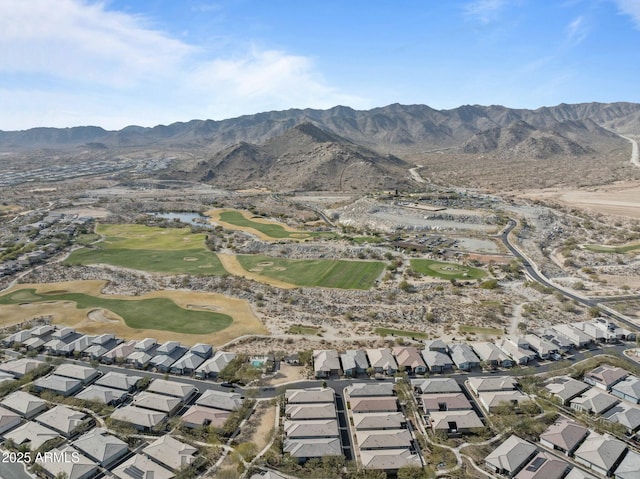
443	270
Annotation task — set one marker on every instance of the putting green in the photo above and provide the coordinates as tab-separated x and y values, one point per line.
444	270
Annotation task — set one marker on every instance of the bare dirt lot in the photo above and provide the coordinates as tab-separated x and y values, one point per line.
618	199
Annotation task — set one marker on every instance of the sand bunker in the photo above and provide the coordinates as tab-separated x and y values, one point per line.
189	258
208	307
101	316
265	263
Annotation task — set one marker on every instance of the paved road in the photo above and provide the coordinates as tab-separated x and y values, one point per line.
10	470
534	274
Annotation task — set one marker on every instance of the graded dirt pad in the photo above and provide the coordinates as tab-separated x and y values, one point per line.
233	266
65	312
618	199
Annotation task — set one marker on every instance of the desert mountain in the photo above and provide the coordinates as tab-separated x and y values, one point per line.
304	157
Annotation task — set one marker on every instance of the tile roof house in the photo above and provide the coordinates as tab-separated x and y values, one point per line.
492	355
511	456
139	359
75	371
544	466
565	388
212	367
565	436
518	353
436	345
436	385
629	468
326	363
387	439
578	473
305	449
220	400
409	359
309	395
625	414
8	419
157	402
301	412
177	389
382	361
480	384
495	399
119	353
205	351
25	404
379	421
628	389
373	404
121	381
437	361
463	357
20	367
101	447
389	460
63	419
170	452
141	418
605	377
197	416
316	428
77	346
73	466
187	364
31	434
445	402
455	422
594	401
146	344
58	385
354	362
102	394
370	389
543	348
168	347
141	467
600	453
576	336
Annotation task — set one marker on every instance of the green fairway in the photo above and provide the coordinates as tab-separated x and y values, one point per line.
154	313
464	329
443	270
324	273
401	332
272	230
161	250
613	249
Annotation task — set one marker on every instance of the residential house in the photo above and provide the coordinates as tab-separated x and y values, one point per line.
566	388
101	447
371	389
373	404
25	404
495	399
309	395
625	414
354	362
8	420
141	467
78	346
303	412
629	468
601	453
120	353
31	434
205	351
157	402
628	389
543	348
212	367
513	348
146	344
18	337
564	435
379	421
64	420
109	396
19	367
492	355
463	357
34	343
139	359
576	336
382	361
481	384
436	385
409	360
74	371
436	345
605	377
227	401
58	385
140	418
326	363
385	439
444	402
183	391
544	466
75	465
166	355
187	364
455	422
560	341
121	381
389	460
305	449
197	416
437	361
511	456
171	453
315	428
594	401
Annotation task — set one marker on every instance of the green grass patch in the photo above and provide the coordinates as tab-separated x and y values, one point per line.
85	239
367	239
613	249
299	329
401	332
465	329
160	250
444	270
322	273
272	230
153	313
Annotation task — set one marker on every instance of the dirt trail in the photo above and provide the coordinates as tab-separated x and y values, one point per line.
634	150
232	265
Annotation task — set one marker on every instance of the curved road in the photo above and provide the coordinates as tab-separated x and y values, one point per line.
535	274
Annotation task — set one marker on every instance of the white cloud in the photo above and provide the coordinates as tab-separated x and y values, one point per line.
71	62
577	31
484	10
630	8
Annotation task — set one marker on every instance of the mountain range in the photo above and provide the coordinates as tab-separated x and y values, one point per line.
320	144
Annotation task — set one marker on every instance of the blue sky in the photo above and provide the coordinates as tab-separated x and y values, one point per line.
114	63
